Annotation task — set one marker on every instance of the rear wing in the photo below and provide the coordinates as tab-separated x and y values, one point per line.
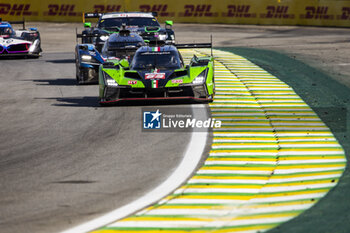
197	45
193	46
84	35
91	15
85	40
19	22
88	35
98	15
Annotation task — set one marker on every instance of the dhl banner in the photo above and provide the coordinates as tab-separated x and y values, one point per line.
274	12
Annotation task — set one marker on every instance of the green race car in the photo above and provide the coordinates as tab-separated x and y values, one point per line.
157	73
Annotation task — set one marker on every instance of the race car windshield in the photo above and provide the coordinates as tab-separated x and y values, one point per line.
121	49
159	60
132	21
124	44
6	31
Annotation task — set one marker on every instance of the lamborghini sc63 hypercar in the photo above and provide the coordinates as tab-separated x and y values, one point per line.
158	73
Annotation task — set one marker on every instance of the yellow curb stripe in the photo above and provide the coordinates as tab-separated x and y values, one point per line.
272	159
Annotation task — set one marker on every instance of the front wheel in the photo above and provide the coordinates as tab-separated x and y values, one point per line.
77	78
104	104
211	98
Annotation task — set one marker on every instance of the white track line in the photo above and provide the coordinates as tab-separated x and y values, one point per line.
185	169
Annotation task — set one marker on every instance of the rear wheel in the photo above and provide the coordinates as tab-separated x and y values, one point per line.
78	75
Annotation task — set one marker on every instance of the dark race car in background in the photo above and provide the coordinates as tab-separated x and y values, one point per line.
20	42
117	47
142	23
158	73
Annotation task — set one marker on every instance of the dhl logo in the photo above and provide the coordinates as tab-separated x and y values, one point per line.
238	11
198	11
345	14
161	9
107	8
277	12
320	12
61	10
16	10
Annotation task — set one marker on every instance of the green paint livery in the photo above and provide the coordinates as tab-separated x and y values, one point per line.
119	80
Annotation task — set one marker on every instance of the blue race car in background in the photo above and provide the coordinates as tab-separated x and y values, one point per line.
117	47
21	42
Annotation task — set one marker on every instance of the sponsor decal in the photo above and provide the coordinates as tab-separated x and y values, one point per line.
9	41
155	76
154	53
345	14
17	10
117	15
152	120
277	12
177	120
162	9
107	8
177	81
154	83
61	10
238	11
123	15
132	82
200	10
319	12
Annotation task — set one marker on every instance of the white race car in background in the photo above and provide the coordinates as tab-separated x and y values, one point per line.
21	42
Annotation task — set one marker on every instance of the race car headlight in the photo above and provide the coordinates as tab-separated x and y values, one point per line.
104	38
86	58
110	81
162	36
200	79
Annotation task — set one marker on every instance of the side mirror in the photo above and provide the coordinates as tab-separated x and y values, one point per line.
87	25
169	22
124	63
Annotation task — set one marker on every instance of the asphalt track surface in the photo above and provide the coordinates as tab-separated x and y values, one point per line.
64	160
